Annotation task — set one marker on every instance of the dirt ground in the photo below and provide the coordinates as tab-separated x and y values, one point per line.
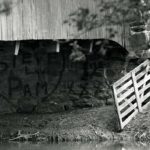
139	127
79	125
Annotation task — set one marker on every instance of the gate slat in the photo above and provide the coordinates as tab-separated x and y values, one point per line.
125	95
127	102
146	96
129	118
146	105
119	82
146	87
141	82
144	64
140	75
129	110
124	87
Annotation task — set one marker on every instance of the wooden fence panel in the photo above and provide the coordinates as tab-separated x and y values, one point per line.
132	93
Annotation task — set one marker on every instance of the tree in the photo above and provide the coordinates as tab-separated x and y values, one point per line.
110	12
134	13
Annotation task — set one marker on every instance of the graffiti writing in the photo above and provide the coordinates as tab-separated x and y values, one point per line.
28	75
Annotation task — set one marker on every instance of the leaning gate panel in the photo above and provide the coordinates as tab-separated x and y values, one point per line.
132	93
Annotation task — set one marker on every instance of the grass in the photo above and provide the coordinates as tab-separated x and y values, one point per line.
95	124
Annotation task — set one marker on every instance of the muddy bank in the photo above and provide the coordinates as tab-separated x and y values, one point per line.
96	124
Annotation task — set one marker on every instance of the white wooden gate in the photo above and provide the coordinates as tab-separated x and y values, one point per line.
132	93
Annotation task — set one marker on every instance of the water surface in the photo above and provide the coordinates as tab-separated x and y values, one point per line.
75	146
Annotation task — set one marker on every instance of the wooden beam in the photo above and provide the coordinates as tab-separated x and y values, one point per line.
57	47
117	107
91	46
136	91
17	47
144	81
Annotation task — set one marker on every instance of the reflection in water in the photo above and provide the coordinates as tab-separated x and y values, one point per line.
74	146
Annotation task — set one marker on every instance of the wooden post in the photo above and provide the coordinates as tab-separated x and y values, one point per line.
117	107
17	47
144	83
57	47
136	91
91	46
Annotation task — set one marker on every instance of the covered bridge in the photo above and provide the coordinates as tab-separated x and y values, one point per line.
36	72
43	19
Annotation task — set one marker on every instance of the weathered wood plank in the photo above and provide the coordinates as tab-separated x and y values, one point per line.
134	106
145	97
145	88
144	64
141	82
140	75
129	118
117	106
43	19
136	91
122	80
127	102
146	105
126	94
124	87
144	81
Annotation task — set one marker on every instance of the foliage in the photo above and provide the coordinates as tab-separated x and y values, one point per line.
5	7
83	19
110	12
